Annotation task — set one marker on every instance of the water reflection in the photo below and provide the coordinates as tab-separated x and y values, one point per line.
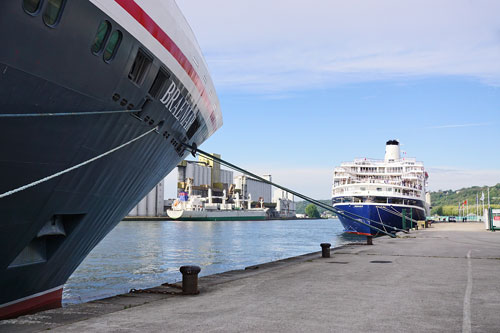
146	254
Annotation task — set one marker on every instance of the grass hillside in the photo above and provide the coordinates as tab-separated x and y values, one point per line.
446	202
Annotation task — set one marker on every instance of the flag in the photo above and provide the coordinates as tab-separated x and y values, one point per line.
465	202
482	196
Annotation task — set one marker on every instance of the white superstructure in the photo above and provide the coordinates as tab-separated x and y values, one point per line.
392	178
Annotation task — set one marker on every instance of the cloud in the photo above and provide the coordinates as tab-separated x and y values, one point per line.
273	46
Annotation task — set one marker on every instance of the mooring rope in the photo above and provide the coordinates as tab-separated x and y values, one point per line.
398	214
195	150
40	181
355	217
371	220
59	114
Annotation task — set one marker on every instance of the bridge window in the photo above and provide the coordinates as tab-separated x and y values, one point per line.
140	67
101	36
53	12
112	46
159	86
32	6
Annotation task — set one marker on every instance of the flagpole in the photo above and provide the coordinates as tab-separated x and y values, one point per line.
477	206
488	198
482	200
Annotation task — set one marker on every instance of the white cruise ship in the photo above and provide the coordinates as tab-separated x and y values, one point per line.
383	193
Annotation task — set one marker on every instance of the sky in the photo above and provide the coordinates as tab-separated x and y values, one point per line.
305	86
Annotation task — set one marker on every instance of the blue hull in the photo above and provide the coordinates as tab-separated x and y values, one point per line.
378	213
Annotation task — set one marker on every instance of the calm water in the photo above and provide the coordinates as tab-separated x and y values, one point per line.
146	254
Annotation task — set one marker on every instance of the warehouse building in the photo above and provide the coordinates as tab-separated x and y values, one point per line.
202	175
255	188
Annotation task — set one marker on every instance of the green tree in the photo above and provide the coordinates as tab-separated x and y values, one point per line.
312	211
438	210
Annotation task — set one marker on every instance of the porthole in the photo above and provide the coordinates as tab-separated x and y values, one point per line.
32	7
112	46
53	12
101	36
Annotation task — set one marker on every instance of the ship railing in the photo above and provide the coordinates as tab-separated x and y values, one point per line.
399	185
355	193
368	161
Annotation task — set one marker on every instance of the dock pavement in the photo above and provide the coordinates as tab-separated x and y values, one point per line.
442	279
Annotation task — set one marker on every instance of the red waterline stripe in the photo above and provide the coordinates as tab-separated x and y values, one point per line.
46	301
359	233
161	36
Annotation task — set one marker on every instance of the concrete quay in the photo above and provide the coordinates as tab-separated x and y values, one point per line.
442	279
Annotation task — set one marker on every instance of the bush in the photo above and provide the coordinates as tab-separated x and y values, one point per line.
312	211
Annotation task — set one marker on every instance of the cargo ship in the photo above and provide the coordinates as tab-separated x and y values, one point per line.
190	207
382	193
98	99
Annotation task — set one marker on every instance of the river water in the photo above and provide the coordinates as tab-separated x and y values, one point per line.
147	254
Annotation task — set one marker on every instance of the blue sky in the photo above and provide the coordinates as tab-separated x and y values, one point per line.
303	88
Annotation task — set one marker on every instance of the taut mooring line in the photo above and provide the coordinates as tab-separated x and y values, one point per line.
195	150
60	173
63	114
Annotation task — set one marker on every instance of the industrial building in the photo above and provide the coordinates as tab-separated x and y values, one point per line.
256	189
203	174
206	179
285	204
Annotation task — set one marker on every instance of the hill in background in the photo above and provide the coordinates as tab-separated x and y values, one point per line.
446	202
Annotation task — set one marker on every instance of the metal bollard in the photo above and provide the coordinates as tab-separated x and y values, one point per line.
190	279
369	240
325	250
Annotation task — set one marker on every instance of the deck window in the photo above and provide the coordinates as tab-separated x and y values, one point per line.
32	6
112	46
53	12
101	36
140	67
159	86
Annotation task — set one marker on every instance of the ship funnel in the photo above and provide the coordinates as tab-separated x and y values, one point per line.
392	151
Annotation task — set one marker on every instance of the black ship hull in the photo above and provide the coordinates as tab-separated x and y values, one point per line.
47	230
